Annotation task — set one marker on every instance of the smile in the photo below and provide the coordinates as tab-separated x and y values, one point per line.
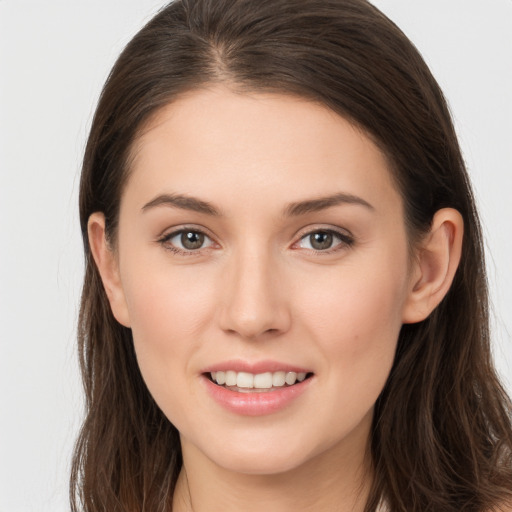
256	389
260	382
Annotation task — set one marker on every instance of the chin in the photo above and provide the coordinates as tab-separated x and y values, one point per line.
267	452
259	462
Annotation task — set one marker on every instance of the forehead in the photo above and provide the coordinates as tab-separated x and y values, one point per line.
218	142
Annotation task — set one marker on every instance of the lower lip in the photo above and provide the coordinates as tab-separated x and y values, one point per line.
256	403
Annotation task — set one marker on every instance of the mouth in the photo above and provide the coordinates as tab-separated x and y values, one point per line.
245	382
257	388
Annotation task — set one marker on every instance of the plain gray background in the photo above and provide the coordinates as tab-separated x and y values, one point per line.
54	57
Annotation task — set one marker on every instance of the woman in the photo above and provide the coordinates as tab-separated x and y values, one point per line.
285	302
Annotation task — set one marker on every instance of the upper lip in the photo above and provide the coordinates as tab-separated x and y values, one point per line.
255	367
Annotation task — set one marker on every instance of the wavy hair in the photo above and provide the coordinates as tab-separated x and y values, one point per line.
441	435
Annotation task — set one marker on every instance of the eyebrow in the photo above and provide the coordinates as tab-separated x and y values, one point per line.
184	202
295	209
322	203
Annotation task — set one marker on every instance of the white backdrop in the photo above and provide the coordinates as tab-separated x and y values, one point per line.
54	57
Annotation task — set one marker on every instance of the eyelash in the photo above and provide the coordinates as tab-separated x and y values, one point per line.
165	241
345	241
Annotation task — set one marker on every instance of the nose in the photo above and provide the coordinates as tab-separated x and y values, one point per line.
254	299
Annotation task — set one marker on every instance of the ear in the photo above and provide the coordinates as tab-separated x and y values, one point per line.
436	262
108	267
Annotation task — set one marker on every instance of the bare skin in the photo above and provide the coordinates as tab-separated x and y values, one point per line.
296	253
322	484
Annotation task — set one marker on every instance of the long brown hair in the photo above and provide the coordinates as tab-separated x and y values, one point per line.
442	434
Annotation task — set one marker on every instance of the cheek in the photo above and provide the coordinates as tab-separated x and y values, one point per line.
168	313
356	310
166	303
356	322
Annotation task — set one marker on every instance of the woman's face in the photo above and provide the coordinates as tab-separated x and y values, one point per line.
262	235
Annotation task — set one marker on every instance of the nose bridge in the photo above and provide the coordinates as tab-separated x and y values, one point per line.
254	302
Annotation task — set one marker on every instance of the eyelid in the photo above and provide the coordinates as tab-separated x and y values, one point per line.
169	233
346	238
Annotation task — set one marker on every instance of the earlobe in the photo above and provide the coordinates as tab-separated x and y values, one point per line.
108	267
438	257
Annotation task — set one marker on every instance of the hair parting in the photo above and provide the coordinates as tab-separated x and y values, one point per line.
442	434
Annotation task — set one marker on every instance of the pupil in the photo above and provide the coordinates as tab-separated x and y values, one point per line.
192	240
321	241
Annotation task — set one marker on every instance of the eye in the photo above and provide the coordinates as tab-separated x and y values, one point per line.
324	240
186	241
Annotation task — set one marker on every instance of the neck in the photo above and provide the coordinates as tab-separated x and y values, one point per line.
336	479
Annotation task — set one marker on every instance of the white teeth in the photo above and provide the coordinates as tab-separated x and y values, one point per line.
263	380
230	378
267	380
278	379
291	377
244	380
